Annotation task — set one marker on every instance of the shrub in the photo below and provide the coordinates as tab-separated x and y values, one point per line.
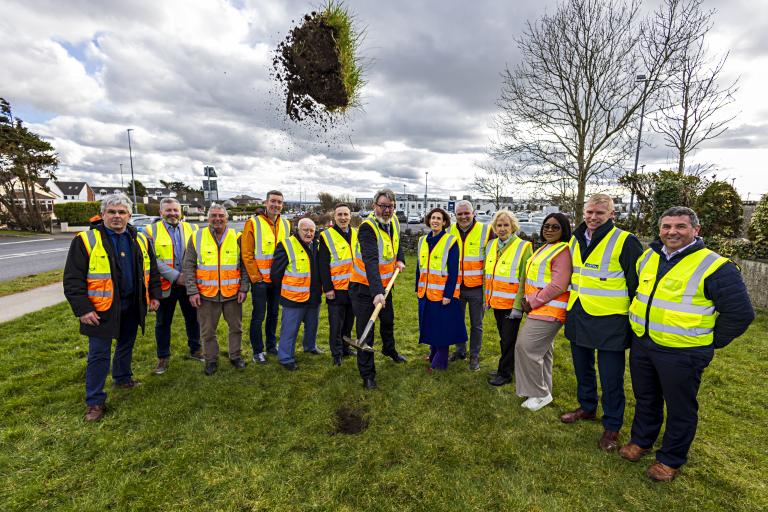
76	213
758	224
720	210
672	189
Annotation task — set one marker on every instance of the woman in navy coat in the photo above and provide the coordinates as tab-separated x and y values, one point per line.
441	320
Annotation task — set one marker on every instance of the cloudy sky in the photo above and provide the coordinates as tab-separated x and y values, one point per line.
192	78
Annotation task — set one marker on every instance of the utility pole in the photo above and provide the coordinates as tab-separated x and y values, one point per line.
639	78
121	176
426	180
133	180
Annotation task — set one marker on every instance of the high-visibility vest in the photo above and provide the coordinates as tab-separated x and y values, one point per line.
218	267
388	247
472	253
297	278
341	256
674	311
265	242
433	268
101	289
503	272
163	244
538	274
599	283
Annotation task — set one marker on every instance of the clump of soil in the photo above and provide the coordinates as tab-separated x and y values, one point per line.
350	420
308	68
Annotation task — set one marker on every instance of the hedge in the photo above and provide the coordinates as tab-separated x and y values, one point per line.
76	213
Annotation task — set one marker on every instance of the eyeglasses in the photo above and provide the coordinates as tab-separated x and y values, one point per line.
385	206
117	212
551	227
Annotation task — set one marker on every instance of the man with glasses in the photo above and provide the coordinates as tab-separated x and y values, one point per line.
376	256
110	281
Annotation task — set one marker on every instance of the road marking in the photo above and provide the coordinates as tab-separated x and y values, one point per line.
32	253
28	241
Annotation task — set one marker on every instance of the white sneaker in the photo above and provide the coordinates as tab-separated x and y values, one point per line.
261	357
526	403
536	403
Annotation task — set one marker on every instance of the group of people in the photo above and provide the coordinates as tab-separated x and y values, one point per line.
672	304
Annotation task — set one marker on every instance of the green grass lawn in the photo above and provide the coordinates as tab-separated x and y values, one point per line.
22	284
263	438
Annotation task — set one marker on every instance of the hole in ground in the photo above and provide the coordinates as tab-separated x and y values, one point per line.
350	420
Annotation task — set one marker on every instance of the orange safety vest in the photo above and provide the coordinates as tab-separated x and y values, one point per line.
539	274
388	247
503	272
341	256
265	242
472	253
218	266
297	278
433	268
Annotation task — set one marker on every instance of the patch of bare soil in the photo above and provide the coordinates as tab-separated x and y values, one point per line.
350	420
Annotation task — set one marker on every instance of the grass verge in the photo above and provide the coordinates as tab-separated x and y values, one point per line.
13	232
265	438
22	284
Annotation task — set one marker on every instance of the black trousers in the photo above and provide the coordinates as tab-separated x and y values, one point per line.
362	306
340	320
508	338
671	376
165	319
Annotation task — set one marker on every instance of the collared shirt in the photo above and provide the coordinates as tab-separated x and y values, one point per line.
588	237
121	243
178	247
669	256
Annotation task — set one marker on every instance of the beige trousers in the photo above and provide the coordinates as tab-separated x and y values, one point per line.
533	358
208	315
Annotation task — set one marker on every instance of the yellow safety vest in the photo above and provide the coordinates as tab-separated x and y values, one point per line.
297	278
599	283
503	272
433	268
674	311
538	275
387	253
472	253
101	289
266	240
341	256
218	267
163	244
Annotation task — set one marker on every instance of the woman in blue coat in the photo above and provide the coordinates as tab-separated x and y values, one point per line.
441	320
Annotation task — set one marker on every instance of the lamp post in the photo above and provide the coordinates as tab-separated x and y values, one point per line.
133	180
638	78
426	180
121	176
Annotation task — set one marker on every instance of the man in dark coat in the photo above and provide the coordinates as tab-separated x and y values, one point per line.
126	305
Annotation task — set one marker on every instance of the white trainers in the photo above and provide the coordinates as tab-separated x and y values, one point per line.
536	403
261	357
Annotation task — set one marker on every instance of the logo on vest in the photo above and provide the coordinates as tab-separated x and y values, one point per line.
592	265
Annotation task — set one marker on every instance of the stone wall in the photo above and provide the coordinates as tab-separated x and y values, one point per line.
755	274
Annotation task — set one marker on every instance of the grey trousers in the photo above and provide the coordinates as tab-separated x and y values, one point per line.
208	315
533	358
474	298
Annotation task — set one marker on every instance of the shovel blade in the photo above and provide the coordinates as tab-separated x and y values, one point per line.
356	344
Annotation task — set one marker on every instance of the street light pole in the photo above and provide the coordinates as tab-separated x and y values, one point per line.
639	78
133	180
426	180
121	176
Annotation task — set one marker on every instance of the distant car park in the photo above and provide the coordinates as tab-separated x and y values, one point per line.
483	217
141	222
401	217
529	228
414	218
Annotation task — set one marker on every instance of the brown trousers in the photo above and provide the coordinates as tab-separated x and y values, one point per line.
208	315
533	358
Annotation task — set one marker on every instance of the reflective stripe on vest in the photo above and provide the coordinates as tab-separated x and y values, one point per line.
341	256
218	267
387	253
433	268
674	311
599	282
163	244
472	253
539	274
297	278
265	241
503	272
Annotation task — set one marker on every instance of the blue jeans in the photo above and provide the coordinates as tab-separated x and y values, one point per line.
611	364
99	349
289	331
165	318
265	302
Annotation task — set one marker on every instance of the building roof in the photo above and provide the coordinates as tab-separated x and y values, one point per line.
71	187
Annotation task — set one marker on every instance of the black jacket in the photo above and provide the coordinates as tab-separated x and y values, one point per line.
76	288
324	263
279	264
369	250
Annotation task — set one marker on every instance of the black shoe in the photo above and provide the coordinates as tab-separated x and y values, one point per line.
369	384
291	367
238	363
346	352
315	351
272	351
498	380
210	368
397	357
337	360
457	357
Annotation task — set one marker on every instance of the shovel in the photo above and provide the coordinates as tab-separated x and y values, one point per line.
358	343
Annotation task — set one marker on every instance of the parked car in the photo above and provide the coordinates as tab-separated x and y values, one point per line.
483	217
529	228
141	222
401	217
414	218
364	213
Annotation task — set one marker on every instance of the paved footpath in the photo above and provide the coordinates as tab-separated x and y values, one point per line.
19	304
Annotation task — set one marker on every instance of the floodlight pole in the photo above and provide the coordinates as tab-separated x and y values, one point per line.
426	180
133	180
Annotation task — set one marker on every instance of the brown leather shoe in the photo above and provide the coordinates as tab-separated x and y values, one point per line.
577	415
633	452
162	366
660	472
609	442
127	385
95	412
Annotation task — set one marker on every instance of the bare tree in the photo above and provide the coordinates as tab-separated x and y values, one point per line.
691	109
492	180
565	108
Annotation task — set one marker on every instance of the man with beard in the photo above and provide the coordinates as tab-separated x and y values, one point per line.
377	255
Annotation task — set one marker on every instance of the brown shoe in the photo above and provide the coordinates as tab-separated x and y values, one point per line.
198	356
95	412
633	452
661	472
609	442
577	415
162	366
127	385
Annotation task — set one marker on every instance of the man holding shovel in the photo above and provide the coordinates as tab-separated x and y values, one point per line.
376	256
